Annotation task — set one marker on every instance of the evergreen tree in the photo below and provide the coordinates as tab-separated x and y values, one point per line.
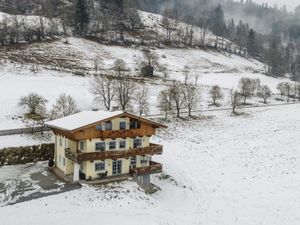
231	30
274	58
251	43
217	22
81	17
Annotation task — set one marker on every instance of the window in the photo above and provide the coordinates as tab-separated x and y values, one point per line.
135	124
99	127
100	166
112	145
81	145
137	143
133	161
117	167
108	126
144	159
122	144
100	146
122	125
60	141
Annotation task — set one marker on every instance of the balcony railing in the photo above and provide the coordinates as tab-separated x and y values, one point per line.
154	167
153	149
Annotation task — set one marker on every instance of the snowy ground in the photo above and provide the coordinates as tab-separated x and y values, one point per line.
21	181
224	170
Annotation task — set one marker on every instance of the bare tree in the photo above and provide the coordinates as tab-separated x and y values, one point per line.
164	71
133	17
65	106
235	100
285	89
41	29
247	87
15	29
3	30
191	36
190	97
141	99
165	102
186	71
294	91
298	91
34	102
196	79
97	63
168	24
125	89
216	94
281	87
288	87
264	92
119	67
104	90
150	58
177	98
204	27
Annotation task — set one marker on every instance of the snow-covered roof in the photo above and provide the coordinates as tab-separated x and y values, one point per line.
82	119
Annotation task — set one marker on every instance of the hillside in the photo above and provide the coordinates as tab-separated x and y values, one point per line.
42	66
220	166
219	170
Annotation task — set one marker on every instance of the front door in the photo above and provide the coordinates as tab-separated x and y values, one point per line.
117	167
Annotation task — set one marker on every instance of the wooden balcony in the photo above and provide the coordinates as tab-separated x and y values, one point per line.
153	149
154	167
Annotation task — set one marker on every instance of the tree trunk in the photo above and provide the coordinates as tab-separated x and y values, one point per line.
178	112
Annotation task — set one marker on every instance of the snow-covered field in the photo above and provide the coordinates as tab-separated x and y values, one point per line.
223	170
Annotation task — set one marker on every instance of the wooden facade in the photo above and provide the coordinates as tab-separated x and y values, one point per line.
145	129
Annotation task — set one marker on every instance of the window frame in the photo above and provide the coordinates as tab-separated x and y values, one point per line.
115	144
141	142
108	125
122	127
101	166
122	141
101	143
81	148
133	161
99	127
144	159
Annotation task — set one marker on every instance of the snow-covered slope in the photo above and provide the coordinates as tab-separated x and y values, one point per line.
224	170
32	76
21	22
153	23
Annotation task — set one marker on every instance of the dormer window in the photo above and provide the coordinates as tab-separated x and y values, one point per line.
135	124
108	125
99	127
122	125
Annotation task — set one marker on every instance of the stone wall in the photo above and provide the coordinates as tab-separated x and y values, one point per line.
22	155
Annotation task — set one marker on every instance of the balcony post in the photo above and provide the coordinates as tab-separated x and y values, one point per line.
76	172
